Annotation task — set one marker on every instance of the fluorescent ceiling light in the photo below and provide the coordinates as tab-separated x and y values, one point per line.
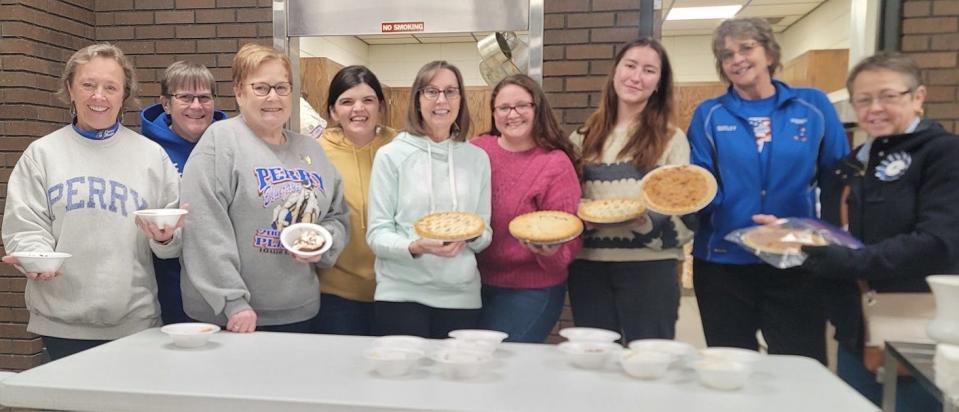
702	13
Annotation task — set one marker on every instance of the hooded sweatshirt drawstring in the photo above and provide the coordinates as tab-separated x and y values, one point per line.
452	173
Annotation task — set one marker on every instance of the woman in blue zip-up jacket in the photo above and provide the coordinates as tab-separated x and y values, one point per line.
769	145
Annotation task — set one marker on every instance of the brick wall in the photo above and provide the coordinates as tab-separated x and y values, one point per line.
930	34
38	36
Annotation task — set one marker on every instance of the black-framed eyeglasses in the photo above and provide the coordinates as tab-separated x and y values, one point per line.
187	98
263	89
885	99
522	108
432	93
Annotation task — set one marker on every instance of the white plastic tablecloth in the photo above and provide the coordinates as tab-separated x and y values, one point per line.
294	372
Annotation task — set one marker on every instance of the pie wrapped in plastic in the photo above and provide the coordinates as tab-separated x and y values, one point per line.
678	190
545	227
610	210
450	226
781	240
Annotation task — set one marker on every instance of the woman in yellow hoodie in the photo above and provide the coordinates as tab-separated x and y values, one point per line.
355	104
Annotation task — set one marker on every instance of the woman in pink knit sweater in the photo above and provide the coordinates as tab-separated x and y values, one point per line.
532	169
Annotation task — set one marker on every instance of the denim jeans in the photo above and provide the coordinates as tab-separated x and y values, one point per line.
417	319
62	347
640	300
341	316
910	396
527	315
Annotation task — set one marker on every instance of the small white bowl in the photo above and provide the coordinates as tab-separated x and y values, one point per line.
40	262
580	334
294	231
589	355
494	337
722	374
402	342
682	352
163	218
191	334
746	356
645	364
392	362
481	346
461	363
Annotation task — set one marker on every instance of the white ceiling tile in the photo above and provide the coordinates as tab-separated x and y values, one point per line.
777	10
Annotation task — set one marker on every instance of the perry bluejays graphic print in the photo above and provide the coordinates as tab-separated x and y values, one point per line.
293	195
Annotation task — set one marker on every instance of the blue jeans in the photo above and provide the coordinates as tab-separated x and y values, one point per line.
640	300
910	395
527	315
341	316
62	347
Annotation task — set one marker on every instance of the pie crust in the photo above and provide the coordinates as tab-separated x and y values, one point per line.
678	189
450	226
610	210
781	240
545	227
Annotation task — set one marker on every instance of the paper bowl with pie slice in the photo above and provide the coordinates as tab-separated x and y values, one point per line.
678	189
306	239
546	227
450	226
610	211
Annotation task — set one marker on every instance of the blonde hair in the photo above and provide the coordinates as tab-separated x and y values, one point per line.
87	54
460	129
251	56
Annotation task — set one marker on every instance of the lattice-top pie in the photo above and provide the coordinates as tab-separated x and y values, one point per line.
781	240
545	227
610	210
678	190
450	226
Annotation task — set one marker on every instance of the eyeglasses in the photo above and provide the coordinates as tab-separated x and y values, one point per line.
745	49
885	99
263	89
107	89
433	93
189	98
522	108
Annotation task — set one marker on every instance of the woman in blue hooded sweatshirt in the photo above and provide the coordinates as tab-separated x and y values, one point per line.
769	146
176	123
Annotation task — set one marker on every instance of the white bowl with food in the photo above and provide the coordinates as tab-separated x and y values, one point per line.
306	239
581	334
162	218
461	363
190	334
681	351
589	355
645	363
40	262
392	361
481	346
721	374
746	356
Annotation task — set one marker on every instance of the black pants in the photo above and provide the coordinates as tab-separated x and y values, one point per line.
640	300
411	318
737	300
62	347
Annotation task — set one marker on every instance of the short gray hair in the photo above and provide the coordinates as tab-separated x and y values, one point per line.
754	28
887	60
186	75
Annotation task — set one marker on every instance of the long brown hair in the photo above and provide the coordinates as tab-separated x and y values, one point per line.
546	132
653	129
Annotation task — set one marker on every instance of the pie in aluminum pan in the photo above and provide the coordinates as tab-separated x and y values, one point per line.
678	190
610	210
781	240
546	227
450	226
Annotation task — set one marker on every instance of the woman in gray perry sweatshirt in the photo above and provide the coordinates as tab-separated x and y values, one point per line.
245	181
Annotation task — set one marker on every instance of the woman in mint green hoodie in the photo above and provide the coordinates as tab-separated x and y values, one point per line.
428	287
